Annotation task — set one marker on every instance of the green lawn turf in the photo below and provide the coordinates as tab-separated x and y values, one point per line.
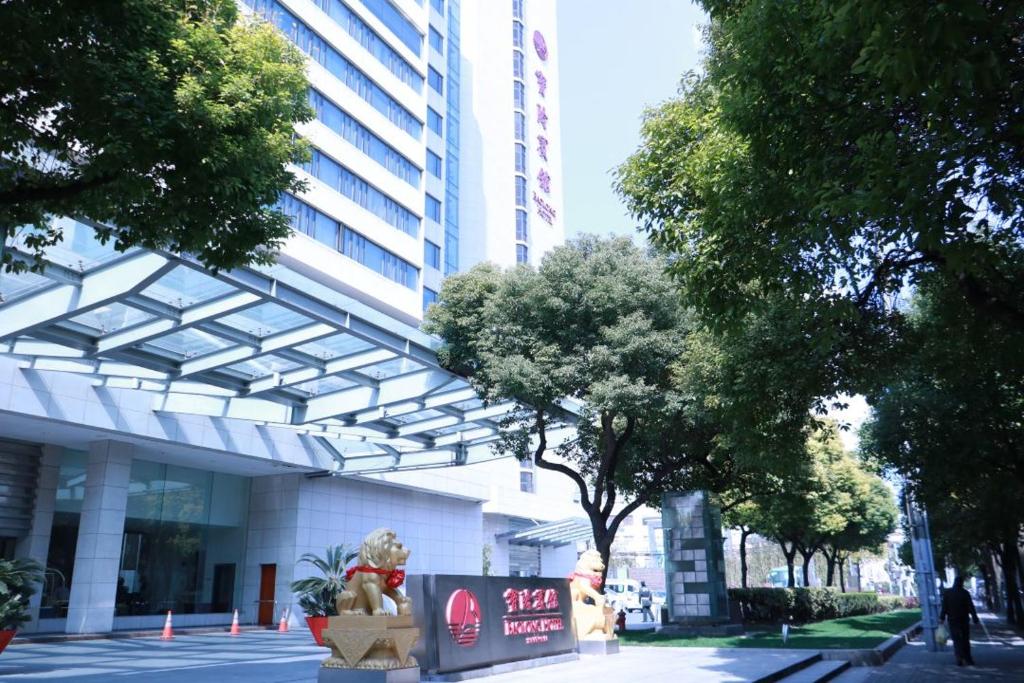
847	633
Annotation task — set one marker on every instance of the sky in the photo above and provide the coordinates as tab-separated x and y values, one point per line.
616	57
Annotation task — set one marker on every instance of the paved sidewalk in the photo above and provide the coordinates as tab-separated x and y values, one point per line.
269	657
999	657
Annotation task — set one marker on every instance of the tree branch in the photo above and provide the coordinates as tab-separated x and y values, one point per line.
23	192
538	459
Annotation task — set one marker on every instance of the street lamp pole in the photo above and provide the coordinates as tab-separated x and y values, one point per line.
924	569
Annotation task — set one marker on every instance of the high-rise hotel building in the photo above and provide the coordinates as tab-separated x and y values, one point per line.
176	439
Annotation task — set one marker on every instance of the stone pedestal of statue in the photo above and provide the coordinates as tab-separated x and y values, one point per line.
602	646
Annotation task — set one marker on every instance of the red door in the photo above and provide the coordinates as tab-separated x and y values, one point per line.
268	576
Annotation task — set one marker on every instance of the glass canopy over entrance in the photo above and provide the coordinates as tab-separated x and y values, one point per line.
269	345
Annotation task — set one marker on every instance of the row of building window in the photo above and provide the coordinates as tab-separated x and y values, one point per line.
339	178
374	44
332	116
519	102
436	41
332	60
326	230
451	196
396	22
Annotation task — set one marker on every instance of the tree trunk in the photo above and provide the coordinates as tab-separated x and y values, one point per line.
790	556
807	567
744	532
1014	609
830	564
842	577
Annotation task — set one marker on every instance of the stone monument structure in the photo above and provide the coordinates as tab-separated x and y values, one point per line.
369	645
593	622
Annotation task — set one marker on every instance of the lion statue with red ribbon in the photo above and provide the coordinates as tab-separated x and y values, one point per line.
591	621
376	575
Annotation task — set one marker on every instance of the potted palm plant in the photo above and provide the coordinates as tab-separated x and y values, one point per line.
317	594
18	579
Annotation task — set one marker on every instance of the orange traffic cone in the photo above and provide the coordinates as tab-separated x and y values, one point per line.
282	626
168	630
234	625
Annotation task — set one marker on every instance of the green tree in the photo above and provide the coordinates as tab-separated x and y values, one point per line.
948	419
835	151
599	322
168	122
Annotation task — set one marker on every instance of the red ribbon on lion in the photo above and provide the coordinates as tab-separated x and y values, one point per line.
595	579
395	577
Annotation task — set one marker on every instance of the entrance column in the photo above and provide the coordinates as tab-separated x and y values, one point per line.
36	544
100	531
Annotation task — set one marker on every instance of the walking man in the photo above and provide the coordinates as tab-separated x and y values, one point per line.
958	606
645	601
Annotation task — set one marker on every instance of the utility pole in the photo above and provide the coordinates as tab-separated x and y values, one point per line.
924	570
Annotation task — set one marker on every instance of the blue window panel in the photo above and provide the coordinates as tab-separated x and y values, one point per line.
519	95
434	164
451	208
518	64
434	121
522	232
431	254
435	79
397	23
520	158
438	5
379	259
332	60
429	297
371	40
520	191
453	171
332	116
517	9
436	40
339	178
520	126
517	34
432	207
522	253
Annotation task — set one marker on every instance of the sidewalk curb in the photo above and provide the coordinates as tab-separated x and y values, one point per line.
129	635
876	656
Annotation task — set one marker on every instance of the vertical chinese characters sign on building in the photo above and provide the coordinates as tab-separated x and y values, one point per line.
541	203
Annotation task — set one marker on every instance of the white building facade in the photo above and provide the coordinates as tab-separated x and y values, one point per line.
173	439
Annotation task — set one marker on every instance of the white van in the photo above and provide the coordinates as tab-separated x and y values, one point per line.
623	594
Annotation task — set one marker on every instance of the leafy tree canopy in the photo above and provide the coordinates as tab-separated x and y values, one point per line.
835	151
172	120
599	322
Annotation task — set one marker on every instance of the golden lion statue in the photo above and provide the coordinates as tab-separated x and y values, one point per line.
596	621
376	574
364	635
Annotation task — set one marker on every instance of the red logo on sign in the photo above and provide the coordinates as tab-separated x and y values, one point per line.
463	615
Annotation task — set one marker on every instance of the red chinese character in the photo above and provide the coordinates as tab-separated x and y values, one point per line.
542	82
542	116
545	180
511	600
550	599
537	599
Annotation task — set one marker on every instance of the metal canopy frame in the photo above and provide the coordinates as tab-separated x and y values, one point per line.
268	345
562	532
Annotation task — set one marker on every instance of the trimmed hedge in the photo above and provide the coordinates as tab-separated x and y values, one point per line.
803	605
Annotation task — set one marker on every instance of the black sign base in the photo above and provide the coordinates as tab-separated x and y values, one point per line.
599	647
335	675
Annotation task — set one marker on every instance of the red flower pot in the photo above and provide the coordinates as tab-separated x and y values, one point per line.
5	638
316	625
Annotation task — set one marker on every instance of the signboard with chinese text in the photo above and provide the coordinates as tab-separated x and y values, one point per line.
470	622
